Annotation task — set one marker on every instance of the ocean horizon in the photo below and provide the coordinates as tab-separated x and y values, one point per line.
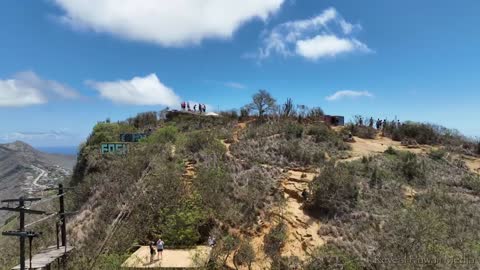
63	150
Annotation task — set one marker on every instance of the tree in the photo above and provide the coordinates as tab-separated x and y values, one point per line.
245	254
288	109
263	103
316	112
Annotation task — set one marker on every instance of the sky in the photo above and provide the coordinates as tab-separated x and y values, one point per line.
66	64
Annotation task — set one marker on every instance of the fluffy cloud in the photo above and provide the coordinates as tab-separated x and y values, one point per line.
327	46
148	90
326	35
165	22
348	94
27	88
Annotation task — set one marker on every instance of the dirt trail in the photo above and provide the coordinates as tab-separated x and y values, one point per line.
42	174
365	147
472	163
235	139
303	229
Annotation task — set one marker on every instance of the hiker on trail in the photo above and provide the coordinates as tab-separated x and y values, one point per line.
188	107
195	108
212	241
378	124
370	123
305	194
183	105
160	245
360	121
152	251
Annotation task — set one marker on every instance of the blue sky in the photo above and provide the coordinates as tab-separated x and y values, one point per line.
66	64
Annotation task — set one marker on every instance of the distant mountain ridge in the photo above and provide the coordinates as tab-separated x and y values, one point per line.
25	170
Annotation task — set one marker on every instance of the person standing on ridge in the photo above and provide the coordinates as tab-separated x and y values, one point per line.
188	107
370	123
195	108
152	251
160	246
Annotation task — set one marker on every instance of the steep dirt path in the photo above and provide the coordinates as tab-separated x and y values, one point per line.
235	139
303	229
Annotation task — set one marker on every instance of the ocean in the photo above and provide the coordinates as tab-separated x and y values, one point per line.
64	150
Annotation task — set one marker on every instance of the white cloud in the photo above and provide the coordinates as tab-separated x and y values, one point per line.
235	85
327	46
348	94
29	136
165	22
27	88
148	90
325	35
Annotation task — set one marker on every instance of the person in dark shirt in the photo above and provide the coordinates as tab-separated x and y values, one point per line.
152	251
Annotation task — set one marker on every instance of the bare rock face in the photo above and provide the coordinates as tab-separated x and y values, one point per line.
25	171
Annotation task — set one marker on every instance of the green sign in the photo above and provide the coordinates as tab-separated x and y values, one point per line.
116	148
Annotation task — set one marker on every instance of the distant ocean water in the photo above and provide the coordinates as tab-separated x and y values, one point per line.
64	150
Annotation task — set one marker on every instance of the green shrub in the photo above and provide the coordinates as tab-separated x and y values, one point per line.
390	151
411	167
320	133
331	257
364	132
245	255
180	226
213	186
437	154
293	151
108	132
275	240
109	261
415	233
226	245
293	131
232	114
422	133
472	182
334	191
142	120
163	135
197	140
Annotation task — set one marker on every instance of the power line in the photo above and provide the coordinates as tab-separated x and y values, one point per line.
40	220
23	209
47	199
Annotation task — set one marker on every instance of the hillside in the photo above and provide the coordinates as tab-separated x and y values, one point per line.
24	170
369	200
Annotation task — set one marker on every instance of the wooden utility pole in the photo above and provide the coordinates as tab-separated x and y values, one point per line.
21	233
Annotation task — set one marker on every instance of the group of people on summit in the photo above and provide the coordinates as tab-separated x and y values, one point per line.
379	124
186	107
